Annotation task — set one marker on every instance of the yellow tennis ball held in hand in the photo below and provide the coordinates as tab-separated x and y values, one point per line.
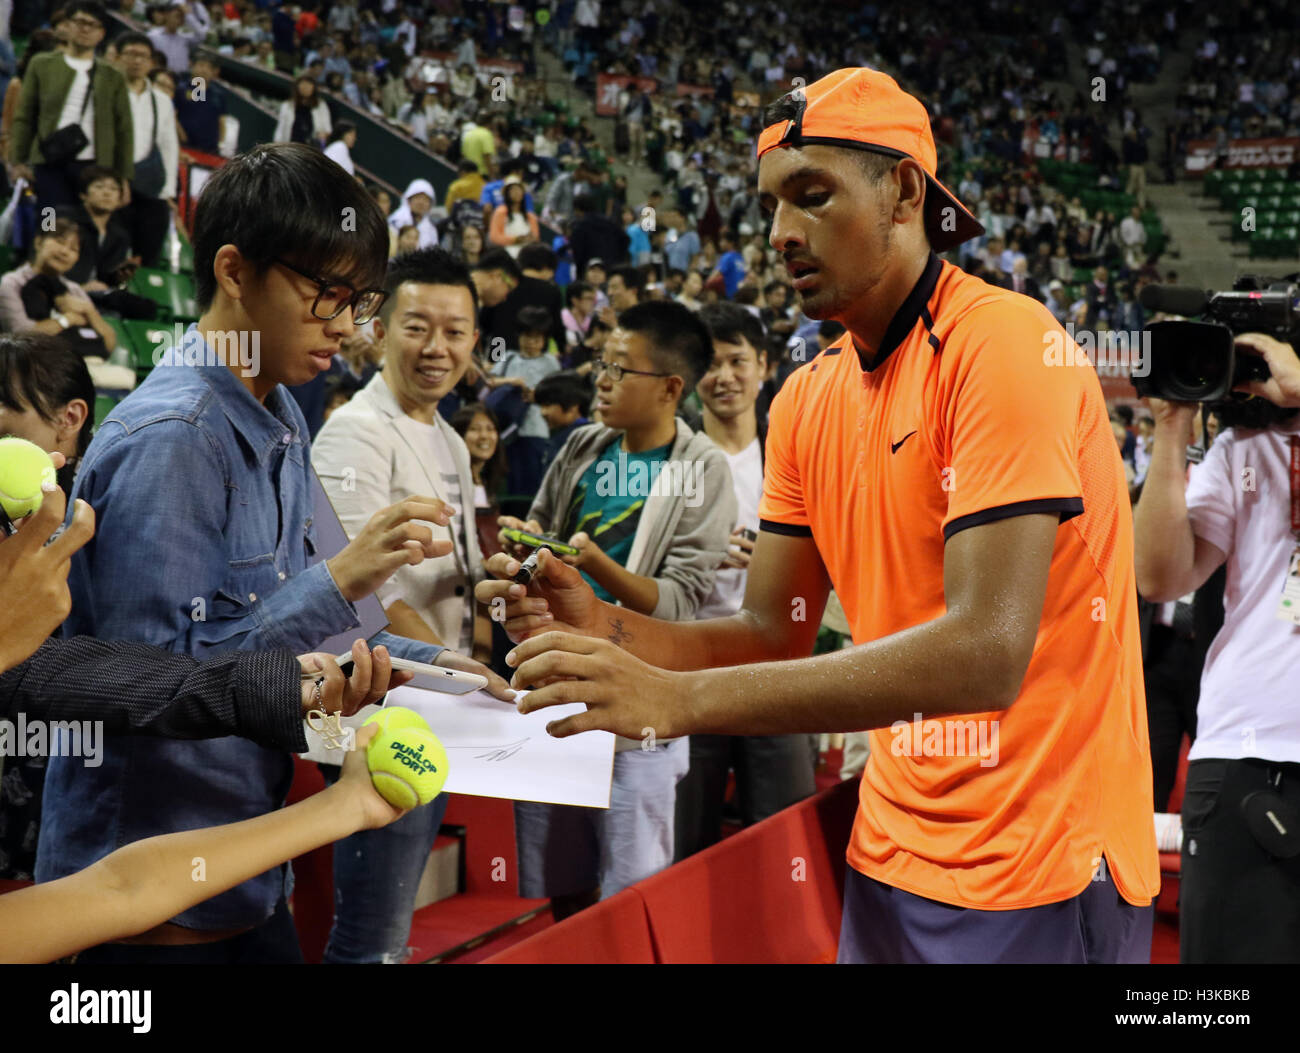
24	466
407	763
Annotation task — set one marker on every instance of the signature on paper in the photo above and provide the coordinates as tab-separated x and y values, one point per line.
495	753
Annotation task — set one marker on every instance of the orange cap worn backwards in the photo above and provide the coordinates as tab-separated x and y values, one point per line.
865	109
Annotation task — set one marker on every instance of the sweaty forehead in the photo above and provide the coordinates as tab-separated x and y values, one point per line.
787	165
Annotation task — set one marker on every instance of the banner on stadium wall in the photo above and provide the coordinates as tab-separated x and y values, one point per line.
1242	153
609	85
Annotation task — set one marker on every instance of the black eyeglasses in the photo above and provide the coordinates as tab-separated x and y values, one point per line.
334	297
616	372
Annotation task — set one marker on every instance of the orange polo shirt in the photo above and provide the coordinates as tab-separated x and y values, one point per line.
963	421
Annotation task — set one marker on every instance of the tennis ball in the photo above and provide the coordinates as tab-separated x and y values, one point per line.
395	718
24	466
408	765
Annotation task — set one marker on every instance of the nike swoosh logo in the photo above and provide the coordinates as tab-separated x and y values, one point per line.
893	446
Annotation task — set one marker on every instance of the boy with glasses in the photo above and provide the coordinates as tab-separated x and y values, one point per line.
649	505
202	488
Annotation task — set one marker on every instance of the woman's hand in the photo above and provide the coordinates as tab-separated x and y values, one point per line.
496	685
34	575
740	551
372	678
355	788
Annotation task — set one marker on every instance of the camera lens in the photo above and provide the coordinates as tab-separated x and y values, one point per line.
1196	373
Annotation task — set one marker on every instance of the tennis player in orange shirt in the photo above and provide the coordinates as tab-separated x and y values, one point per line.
953	476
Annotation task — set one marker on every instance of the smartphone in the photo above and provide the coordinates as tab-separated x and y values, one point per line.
429	677
523	537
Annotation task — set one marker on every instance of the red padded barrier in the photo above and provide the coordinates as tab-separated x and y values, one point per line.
772	893
313	874
614	931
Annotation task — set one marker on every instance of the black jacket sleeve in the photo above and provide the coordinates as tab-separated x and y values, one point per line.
141	690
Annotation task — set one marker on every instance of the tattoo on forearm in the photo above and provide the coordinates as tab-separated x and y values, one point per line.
617	633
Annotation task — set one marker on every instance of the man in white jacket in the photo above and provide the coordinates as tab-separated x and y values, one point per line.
414	211
391	440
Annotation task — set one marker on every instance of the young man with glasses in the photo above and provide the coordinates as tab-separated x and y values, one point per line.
201	485
388	443
649	505
67	89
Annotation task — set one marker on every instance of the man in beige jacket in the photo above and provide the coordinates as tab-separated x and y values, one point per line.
390	440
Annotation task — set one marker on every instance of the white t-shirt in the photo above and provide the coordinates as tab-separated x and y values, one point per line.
72	104
338	152
1239	499
442	461
747	480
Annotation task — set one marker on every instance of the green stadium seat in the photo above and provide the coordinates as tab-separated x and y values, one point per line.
145	338
103	407
174	293
1212	182
1273	175
1260	241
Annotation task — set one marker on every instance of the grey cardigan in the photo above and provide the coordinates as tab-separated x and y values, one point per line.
683	533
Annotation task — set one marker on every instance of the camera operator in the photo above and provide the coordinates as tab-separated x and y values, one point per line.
1240	884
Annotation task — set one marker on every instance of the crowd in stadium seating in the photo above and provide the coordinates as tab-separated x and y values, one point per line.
1062	195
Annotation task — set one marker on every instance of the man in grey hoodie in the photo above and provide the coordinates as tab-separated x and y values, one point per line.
650	507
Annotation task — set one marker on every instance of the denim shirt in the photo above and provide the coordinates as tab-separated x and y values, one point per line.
203	545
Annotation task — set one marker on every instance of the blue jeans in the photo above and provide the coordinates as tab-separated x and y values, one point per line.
376	876
565	850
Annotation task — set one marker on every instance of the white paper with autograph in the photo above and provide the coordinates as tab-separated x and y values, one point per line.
494	751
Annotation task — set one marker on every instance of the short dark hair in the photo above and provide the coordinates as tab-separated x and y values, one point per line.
64	224
633	277
92	174
497	259
426	267
537	257
732	324
584	203
42	373
466	166
576	290
533	319
565	389
679	341
288	199
87	7
132	36
340	129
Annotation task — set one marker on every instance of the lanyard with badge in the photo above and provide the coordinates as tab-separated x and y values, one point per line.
1289	606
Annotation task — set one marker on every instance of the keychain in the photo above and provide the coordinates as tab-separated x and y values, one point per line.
329	726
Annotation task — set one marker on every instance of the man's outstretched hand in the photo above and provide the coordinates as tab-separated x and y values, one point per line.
556	598
622	693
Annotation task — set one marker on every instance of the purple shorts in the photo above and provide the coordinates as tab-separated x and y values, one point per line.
883	924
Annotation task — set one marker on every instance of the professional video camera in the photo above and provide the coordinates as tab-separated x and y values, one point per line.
1196	361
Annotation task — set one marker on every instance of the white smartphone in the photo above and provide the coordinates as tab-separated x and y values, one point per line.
429	677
